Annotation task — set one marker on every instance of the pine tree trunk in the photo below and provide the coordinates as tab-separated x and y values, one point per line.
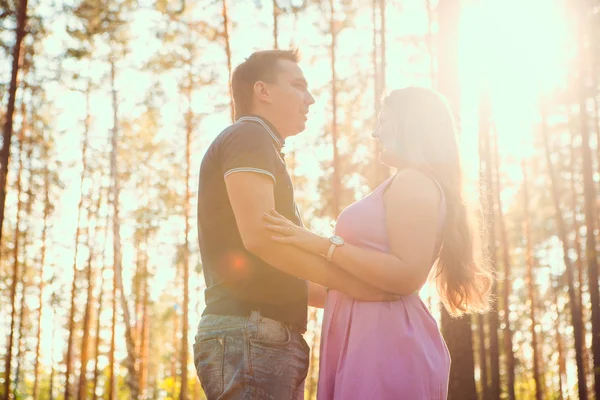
15	276
174	356
99	309
494	352
97	335
559	344
574	299
483	362
22	313
137	288
183	394
73	308
376	91
382	168
10	110
25	142
531	287
507	337
589	195
225	15
145	340
83	387
275	25
457	331
51	386
335	205
382	50
312	379
112	393
430	47
36	368
130	360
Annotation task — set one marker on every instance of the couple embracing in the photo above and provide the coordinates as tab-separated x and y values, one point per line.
263	268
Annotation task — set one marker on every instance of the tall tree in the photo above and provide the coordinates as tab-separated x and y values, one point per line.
574	303
20	32
16	275
562	371
82	198
485	127
509	355
85	338
457	331
589	195
41	286
130	360
529	260
483	188
275	25
189	120
337	184
226	38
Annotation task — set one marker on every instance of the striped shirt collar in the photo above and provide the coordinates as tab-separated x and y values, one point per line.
278	141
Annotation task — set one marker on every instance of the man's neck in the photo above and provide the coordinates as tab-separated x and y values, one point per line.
271	121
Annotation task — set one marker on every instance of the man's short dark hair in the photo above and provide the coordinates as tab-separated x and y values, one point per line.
260	66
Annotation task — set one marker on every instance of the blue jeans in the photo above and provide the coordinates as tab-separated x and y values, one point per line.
251	358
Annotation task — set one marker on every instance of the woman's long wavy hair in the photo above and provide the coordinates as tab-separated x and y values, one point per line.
427	140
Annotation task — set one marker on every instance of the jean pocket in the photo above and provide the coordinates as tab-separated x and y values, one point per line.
208	358
271	332
282	365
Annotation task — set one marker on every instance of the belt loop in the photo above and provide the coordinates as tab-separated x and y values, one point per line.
253	320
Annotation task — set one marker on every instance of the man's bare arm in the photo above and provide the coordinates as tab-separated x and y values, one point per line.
251	196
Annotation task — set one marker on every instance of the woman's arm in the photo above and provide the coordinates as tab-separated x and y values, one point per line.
412	205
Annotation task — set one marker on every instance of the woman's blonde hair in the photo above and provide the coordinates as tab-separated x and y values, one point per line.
427	140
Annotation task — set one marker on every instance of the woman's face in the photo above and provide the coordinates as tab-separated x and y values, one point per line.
388	134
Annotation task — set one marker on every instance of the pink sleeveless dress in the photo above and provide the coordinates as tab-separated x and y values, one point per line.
385	350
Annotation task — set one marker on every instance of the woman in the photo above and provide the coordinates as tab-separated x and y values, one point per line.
414	222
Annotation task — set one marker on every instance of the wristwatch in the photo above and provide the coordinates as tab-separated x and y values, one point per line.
335	241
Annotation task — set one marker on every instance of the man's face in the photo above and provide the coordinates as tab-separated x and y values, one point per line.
290	98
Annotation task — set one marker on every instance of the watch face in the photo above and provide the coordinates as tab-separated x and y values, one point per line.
338	241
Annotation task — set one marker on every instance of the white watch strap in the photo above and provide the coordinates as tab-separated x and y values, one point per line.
330	252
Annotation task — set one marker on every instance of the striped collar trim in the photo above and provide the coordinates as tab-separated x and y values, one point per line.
276	138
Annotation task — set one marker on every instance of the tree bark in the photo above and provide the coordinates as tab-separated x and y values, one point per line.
183	394
130	360
99	309
225	15
457	331
36	368
15	276
83	389
335	205
507	334
589	195
10	110
275	25
530	285
494	352
73	308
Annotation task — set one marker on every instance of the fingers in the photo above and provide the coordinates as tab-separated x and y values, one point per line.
283	230
275	213
272	219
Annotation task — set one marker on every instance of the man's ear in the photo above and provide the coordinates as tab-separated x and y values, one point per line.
261	91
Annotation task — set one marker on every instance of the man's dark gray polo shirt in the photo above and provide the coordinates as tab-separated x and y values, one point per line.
237	281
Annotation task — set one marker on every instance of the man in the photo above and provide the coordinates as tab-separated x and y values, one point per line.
249	343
